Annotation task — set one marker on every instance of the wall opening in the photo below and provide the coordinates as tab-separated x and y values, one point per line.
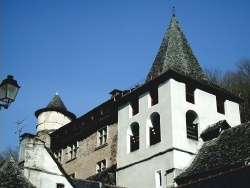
158	178
154	96
220	102
134	137
190	94
192	121
154	129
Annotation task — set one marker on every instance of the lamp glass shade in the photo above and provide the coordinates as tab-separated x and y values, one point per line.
8	90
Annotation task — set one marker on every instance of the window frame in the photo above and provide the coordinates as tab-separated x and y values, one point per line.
102	136
58	155
101	166
220	104
60	185
72	150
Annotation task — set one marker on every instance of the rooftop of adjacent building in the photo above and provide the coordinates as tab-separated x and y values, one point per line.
229	151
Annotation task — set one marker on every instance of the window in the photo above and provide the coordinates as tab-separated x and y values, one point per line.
220	105
154	129
190	94
100	166
58	156
60	185
134	137
192	121
135	106
158	178
72	151
73	175
102	136
154	96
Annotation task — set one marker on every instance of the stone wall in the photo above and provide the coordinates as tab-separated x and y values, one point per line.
89	154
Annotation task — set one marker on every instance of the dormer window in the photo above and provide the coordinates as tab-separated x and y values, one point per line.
190	94
220	105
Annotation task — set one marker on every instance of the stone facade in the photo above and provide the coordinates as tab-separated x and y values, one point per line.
89	154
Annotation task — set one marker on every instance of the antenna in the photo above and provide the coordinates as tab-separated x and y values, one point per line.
19	129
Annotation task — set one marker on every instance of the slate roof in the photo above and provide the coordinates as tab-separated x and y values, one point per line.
229	151
238	177
56	104
175	53
79	183
214	130
12	176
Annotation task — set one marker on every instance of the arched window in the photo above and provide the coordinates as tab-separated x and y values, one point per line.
192	121
134	136
154	129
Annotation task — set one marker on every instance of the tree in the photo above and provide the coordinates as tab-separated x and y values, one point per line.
9	151
236	82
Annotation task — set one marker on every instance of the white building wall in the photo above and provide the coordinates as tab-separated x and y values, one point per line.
39	167
172	107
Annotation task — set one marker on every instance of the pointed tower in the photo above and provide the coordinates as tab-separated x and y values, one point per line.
160	122
51	118
176	54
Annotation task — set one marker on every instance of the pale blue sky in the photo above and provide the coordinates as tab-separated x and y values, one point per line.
83	49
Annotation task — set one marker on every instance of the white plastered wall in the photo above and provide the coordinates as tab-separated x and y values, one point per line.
39	167
172	107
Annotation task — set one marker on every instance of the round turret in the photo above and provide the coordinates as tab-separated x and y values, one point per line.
51	118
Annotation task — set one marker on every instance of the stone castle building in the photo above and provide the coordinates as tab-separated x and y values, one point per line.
145	136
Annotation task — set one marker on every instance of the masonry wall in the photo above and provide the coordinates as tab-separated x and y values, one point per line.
51	120
88	154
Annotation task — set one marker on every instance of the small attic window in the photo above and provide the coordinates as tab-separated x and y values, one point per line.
190	94
220	105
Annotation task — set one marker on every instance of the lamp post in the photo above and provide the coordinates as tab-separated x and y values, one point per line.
8	91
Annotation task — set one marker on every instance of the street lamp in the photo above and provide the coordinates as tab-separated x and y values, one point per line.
8	91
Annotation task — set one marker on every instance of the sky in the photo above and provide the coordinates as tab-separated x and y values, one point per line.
83	49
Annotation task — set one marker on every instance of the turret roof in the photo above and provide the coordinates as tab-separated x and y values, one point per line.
175	53
56	104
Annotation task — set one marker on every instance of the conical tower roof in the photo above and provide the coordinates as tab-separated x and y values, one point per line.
56	104
175	53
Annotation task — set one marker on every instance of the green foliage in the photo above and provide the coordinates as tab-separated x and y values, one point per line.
237	82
